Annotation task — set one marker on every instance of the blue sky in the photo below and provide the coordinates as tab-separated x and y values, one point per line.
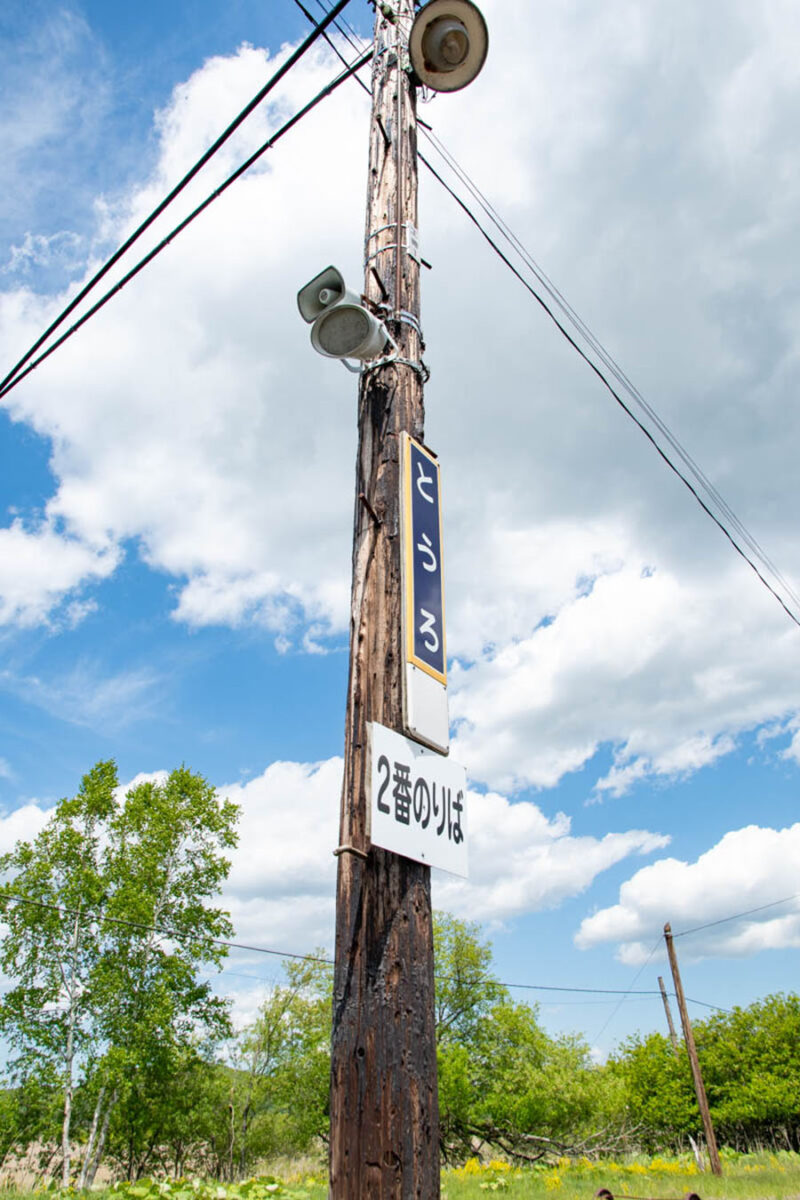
176	484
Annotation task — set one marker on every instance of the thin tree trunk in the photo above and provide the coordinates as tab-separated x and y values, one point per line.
87	1157
231	1140
68	1061
698	1154
243	1150
101	1141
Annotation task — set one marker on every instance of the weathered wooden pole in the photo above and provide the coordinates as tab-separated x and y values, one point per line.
691	1050
384	1139
673	1037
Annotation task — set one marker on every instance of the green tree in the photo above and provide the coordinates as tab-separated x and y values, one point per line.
283	1062
164	861
658	1089
108	924
51	945
750	1059
502	1079
466	990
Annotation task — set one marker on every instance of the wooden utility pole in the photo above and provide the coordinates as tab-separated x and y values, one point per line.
384	1140
691	1050
673	1037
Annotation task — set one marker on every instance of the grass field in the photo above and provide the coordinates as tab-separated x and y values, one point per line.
750	1177
745	1177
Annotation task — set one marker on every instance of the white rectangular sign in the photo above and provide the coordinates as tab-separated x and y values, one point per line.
418	804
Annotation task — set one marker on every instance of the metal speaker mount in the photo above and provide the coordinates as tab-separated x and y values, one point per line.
448	44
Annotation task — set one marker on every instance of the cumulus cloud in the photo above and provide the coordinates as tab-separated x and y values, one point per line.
748	868
282	882
197	446
22	824
521	861
590	603
792	751
40	567
640	660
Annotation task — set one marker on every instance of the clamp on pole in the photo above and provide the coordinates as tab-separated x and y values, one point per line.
347	849
395	359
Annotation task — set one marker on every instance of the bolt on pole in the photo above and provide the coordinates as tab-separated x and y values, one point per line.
384	1139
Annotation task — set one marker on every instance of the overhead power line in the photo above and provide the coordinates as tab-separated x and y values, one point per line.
271	83
606	383
348	31
359	49
166	931
703	482
170	237
703	1003
609	362
736	916
628	992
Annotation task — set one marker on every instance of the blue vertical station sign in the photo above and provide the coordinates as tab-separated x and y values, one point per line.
425	645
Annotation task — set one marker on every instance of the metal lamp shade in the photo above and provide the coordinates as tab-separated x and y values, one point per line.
448	44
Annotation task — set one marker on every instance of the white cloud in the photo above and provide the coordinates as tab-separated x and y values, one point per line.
55	93
748	868
792	751
176	418
23	824
287	832
642	661
520	861
87	695
40	250
282	882
39	567
590	602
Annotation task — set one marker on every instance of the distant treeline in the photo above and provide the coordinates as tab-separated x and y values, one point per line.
120	1053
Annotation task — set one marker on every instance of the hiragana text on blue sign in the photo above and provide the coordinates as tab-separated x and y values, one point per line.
425	633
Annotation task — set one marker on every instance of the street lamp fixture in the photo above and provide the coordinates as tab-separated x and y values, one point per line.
448	44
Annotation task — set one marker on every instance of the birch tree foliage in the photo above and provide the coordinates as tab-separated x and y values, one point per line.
165	860
108	926
52	945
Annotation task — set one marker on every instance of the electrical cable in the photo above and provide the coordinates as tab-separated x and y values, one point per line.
272	82
332	44
629	992
15	898
162	245
358	44
736	916
606	358
583	329
625	407
162	929
702	1003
